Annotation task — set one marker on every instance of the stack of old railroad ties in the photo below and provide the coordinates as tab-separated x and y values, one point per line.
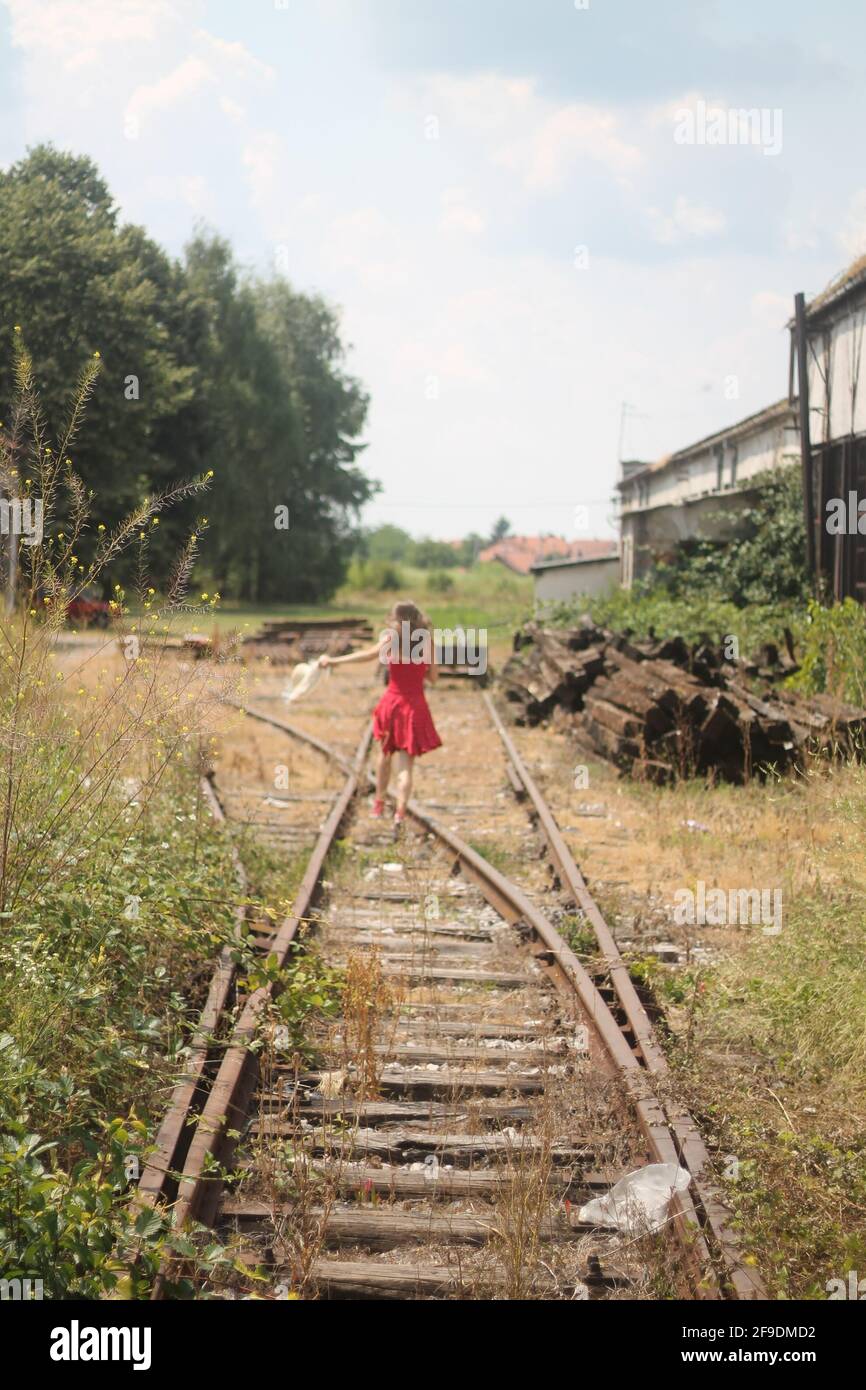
288	640
663	710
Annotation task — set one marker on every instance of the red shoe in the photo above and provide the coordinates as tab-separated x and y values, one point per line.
377	810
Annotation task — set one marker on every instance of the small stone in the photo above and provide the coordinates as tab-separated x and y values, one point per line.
666	951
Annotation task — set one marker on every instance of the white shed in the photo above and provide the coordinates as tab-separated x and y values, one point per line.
592	569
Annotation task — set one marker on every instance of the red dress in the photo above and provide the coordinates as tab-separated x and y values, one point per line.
402	718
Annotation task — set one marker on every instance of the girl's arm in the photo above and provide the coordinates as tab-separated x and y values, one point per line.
366	654
432	674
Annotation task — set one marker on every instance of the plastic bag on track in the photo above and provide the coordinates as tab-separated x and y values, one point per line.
638	1202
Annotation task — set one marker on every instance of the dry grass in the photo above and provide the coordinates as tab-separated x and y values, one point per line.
367	999
767	1034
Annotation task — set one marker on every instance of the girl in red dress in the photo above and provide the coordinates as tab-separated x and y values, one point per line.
401	721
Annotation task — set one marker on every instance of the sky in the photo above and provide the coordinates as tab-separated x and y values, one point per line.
546	249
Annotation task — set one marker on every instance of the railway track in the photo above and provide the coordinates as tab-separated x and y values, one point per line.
439	1138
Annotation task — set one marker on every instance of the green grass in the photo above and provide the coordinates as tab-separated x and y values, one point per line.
768	1044
496	855
486	596
482	596
789	1106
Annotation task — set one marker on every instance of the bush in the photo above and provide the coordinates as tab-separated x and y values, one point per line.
646	611
835	652
374	575
440	583
115	888
428	554
764	563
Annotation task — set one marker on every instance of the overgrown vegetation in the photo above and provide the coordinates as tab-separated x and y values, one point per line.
766	1032
649	611
751	585
788	1106
115	889
764	562
834	651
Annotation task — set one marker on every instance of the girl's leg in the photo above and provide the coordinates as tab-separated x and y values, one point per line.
383	774
404	780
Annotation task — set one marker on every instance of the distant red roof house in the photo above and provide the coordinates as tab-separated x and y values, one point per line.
580	552
521	553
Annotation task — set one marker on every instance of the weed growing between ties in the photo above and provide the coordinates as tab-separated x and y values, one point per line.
366	999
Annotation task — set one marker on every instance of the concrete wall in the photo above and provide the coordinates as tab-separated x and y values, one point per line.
652	534
701	493
563	582
837	373
716	468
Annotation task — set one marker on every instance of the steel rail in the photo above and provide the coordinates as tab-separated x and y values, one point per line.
230	1093
513	904
294	732
694	1154
233	1087
158	1179
229	1096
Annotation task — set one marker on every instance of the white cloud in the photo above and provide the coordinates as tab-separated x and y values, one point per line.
234	60
232	109
192	190
76	34
801	235
547	155
457	214
771	308
519	130
185	81
486	103
213	66
687	220
852	235
370	248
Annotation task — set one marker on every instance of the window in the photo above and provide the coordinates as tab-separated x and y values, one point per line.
720	468
734	461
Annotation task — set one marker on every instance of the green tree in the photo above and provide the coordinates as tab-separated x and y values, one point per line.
77	282
470	548
501	529
428	554
388	543
314	467
203	369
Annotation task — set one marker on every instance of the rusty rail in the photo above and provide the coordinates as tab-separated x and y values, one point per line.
673	1139
691	1149
158	1181
226	1104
